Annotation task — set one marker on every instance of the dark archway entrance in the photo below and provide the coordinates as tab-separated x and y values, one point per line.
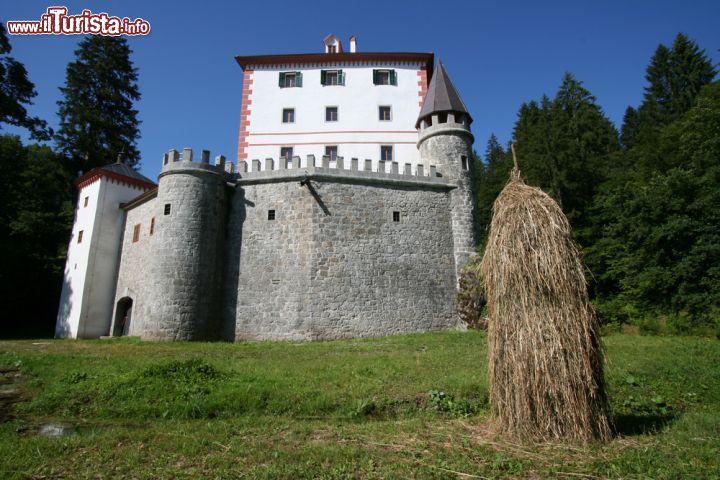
123	315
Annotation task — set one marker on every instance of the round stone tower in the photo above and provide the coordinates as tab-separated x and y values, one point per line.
446	142
186	262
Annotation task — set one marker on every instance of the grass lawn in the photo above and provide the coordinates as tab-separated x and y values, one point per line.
411	406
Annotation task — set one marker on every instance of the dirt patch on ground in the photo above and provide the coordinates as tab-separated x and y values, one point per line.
10	392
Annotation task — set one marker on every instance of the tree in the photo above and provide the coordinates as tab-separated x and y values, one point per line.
565	147
494	177
16	91
34	228
675	76
630	128
97	118
660	248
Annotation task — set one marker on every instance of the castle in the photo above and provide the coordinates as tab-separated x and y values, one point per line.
349	213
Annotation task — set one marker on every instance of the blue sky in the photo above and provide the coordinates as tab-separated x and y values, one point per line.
499	54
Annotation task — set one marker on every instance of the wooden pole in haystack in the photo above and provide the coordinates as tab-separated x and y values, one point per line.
546	363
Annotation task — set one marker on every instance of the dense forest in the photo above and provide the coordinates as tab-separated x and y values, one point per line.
644	201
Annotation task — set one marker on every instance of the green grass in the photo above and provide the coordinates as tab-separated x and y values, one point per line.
398	407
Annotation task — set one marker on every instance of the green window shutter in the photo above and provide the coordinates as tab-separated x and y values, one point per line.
281	80
393	77
298	79
375	77
323	77
341	77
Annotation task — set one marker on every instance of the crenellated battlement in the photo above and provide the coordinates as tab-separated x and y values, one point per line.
174	161
442	124
338	168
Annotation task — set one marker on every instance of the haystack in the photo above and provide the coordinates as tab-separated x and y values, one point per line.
546	364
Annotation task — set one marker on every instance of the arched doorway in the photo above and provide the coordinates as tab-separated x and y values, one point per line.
123	315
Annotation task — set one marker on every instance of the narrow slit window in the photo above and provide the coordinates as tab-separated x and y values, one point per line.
167	209
80	236
396	216
152	225
136	233
464	161
87	199
271	214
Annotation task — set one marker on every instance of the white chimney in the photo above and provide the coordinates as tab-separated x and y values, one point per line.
353	44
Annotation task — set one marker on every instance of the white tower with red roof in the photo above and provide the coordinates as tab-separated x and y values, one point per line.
86	302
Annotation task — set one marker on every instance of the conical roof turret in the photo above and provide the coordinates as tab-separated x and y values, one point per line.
442	96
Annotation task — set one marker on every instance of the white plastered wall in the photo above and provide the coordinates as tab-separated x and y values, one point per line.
86	302
358	132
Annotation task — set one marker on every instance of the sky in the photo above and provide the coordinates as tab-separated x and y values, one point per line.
498	54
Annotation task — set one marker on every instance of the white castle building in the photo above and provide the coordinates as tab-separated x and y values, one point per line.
349	213
349	104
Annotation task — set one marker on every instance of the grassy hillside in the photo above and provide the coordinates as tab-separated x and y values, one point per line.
400	407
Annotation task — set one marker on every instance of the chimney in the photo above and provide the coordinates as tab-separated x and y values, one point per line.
353	44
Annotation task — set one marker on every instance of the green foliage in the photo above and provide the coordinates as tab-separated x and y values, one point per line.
491	177
675	77
34	228
16	92
443	402
97	118
565	147
658	249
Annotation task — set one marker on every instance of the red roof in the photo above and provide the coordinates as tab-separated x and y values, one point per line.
111	171
426	58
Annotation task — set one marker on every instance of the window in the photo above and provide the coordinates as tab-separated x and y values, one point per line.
384	77
331	150
463	160
386	153
136	233
290	79
331	114
167	209
288	115
396	216
332	77
152	225
87	199
332	48
286	152
271	214
385	113
80	235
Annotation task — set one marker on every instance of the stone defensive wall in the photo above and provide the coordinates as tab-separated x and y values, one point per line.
325	250
332	249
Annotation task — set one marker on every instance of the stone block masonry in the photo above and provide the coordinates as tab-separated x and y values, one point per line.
343	257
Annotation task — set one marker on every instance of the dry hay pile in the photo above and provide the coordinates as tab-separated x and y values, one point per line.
546	367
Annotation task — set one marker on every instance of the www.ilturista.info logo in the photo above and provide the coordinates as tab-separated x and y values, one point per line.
56	21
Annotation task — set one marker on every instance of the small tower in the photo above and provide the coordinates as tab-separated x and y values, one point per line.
186	264
86	302
444	140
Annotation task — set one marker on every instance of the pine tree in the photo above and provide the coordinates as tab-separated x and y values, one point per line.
494	177
630	127
564	146
16	91
675	76
97	118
